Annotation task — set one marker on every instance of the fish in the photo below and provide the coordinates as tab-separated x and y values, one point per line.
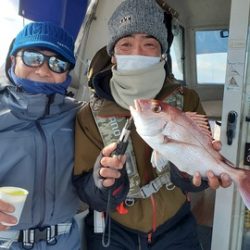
184	139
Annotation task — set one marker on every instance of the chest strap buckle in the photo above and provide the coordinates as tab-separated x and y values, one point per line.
28	237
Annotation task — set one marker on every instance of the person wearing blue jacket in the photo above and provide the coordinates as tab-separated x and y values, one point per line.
37	140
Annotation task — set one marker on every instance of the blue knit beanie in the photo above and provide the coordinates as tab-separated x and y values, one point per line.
137	16
45	35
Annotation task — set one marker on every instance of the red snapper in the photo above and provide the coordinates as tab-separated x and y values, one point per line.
184	139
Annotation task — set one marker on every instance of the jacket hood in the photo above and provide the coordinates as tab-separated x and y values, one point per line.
33	107
101	85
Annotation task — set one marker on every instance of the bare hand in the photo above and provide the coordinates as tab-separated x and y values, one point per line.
214	181
4	217
111	165
217	145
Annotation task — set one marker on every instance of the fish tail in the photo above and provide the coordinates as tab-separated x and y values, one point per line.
243	182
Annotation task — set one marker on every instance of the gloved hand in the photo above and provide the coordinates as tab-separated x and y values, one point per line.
107	168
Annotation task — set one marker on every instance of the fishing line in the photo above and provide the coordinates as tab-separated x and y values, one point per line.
107	224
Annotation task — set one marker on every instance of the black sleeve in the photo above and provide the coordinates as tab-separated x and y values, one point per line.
92	192
184	181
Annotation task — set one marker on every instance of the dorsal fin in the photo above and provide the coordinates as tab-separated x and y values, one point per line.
201	121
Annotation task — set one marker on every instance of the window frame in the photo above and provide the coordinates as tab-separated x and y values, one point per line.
195	56
182	59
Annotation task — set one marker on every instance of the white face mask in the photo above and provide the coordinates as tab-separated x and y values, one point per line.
135	62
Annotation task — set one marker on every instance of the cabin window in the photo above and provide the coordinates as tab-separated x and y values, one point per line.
177	53
211	56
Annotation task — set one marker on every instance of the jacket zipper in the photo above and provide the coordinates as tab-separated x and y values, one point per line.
42	174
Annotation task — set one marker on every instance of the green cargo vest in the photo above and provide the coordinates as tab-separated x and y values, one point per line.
110	129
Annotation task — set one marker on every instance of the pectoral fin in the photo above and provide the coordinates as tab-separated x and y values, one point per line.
158	161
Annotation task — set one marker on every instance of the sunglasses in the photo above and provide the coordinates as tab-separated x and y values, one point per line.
34	59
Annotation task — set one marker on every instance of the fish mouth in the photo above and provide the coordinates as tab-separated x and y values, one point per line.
147	104
137	103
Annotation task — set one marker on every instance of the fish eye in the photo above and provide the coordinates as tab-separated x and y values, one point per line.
156	109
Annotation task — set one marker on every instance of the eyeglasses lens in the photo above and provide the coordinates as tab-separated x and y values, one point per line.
58	65
36	59
32	59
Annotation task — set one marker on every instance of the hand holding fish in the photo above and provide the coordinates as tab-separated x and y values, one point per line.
214	181
185	140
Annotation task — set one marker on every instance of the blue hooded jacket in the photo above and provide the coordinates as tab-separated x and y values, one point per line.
36	152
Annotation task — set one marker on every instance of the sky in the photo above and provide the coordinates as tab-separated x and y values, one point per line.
10	24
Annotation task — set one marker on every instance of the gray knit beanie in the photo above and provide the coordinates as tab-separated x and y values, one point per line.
137	16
